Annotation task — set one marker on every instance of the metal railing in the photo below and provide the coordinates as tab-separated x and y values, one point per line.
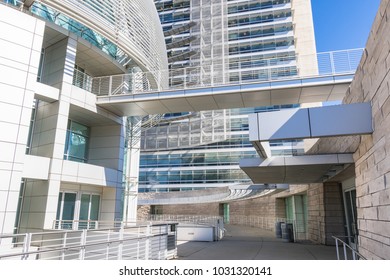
266	223
341	62
347	251
82	80
153	241
200	219
185	221
87	224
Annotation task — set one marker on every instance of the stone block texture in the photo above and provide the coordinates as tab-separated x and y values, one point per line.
371	152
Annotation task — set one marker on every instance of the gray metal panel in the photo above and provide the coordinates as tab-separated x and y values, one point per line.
286	124
253	127
346	119
293	170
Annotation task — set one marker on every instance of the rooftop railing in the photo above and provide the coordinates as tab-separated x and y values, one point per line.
341	62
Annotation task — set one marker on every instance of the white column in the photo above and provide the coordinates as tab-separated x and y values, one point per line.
133	150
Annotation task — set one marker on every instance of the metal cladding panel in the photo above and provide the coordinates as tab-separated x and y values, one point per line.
286	124
346	119
253	127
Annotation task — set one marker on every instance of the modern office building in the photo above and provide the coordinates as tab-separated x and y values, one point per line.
212	42
61	155
339	187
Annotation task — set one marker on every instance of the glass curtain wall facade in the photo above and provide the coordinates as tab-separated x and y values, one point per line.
256	42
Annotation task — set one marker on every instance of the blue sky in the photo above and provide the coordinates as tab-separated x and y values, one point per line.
342	24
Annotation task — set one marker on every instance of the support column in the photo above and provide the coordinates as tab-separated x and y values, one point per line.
131	170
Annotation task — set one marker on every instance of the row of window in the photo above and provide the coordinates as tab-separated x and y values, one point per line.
172	17
79	29
255	5
194	159
236	141
255	19
173	189
252	47
258	32
261	60
172	5
192	177
264	74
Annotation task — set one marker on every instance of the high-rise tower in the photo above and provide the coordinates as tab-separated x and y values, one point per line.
213	42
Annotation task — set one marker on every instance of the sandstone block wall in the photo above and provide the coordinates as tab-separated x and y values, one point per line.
372	158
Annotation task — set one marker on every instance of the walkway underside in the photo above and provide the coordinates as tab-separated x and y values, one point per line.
221	195
295	170
292	91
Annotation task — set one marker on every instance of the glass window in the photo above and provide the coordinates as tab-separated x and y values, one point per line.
77	140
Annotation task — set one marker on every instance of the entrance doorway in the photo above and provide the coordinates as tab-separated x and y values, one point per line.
349	197
224	211
80	207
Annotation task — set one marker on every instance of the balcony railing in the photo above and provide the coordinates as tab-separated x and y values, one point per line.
82	80
152	241
343	62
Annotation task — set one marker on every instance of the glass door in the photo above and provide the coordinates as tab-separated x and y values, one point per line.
89	211
226	213
351	216
66	210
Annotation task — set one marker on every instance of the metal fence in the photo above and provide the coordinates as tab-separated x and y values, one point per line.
153	241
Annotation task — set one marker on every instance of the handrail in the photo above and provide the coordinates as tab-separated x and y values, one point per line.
324	64
119	242
355	254
80	246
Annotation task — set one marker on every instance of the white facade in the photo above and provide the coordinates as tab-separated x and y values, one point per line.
61	156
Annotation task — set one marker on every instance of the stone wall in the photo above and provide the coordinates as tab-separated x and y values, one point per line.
316	213
143	212
259	212
209	209
202	209
372	158
371	152
334	212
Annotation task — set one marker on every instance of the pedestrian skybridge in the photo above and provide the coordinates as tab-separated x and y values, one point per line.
130	94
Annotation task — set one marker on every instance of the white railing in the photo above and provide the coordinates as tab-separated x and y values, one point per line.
153	241
82	80
185	221
266	223
347	251
341	62
87	224
200	219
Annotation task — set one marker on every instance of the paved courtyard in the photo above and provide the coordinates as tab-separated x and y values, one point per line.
247	243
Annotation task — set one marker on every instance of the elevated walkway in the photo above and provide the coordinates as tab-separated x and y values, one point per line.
264	84
253	94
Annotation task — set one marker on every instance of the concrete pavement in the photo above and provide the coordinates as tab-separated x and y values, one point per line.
247	243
